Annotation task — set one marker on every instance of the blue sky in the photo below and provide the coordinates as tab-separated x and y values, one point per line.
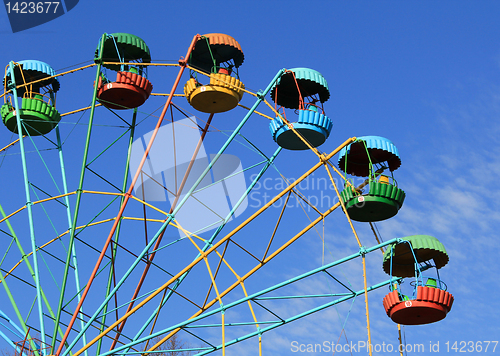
422	74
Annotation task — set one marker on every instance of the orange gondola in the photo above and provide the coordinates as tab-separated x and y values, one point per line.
217	55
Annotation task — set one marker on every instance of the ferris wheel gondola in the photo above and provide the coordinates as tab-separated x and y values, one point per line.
430	301
301	89
369	157
131	88
37	88
219	56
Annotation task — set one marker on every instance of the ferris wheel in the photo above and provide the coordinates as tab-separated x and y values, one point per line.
127	233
